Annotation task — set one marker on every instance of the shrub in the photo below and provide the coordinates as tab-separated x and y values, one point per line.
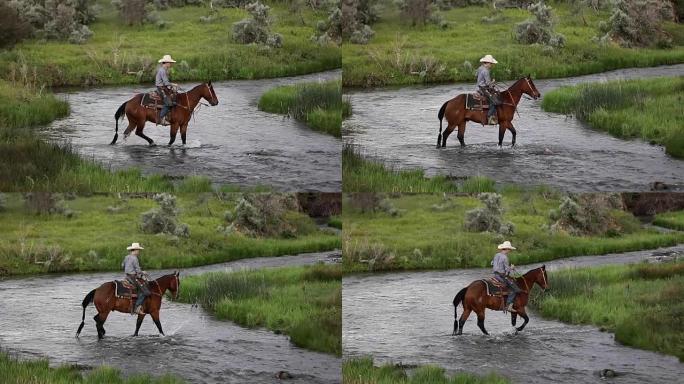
638	23
164	219
257	29
592	214
539	30
58	19
13	27
268	214
489	217
420	12
357	15
330	30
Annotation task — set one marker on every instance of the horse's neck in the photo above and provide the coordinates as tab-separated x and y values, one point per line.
515	92
163	284
193	97
527	281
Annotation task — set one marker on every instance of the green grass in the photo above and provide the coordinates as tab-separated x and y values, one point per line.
318	105
122	54
398	53
96	239
39	372
672	220
362	371
640	303
648	109
303	302
428	233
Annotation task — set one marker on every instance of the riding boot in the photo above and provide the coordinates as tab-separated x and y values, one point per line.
510	308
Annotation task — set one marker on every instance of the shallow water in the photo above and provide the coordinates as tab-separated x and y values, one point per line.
408	318
40	316
399	126
231	143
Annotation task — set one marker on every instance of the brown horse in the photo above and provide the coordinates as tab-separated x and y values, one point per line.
105	302
457	114
475	298
179	116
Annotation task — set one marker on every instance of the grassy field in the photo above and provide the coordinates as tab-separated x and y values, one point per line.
649	109
640	303
427	232
401	54
304	303
96	237
318	105
672	220
362	371
39	372
360	174
122	54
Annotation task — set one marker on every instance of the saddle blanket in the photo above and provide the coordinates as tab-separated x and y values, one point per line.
495	287
476	102
124	290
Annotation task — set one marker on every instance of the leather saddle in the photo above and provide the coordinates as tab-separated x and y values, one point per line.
495	287
476	101
154	101
124	290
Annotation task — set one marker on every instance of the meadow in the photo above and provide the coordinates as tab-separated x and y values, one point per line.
318	105
40	372
304	303
672	220
95	237
407	232
402	54
640	303
362	371
649	109
360	174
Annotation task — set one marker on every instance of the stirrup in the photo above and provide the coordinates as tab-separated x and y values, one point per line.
492	120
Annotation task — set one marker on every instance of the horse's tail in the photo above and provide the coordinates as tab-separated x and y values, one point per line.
86	301
117	116
458	300
440	115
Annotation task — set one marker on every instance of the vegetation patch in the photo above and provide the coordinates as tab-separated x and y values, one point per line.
362	371
648	109
304	303
672	220
640	303
94	237
430	233
318	105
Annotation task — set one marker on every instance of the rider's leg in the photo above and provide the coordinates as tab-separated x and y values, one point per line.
165	100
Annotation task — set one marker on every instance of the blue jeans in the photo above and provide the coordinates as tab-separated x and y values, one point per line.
492	102
141	289
512	286
167	102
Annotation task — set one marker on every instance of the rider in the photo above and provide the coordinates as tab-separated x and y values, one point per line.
163	84
485	85
502	272
136	276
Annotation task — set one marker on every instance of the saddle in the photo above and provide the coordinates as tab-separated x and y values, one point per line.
476	101
124	290
495	287
154	101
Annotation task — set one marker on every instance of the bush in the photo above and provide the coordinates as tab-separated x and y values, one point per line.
357	15
592	214
164	218
638	23
257	29
13	28
539	30
489	217
268	214
58	19
420	12
330	30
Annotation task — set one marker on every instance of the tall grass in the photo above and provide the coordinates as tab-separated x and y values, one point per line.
319	105
362	371
95	238
401	54
429	233
640	303
302	302
672	220
649	109
13	370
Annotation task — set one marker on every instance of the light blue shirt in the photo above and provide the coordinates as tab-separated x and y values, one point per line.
500	264
162	78
484	78
131	265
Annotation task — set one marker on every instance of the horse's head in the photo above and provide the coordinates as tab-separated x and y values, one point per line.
209	94
174	284
529	88
542	278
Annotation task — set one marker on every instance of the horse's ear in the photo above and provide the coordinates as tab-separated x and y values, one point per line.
529	76
543	266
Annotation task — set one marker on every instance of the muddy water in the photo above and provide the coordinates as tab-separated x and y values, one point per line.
408	318
399	126
231	143
39	317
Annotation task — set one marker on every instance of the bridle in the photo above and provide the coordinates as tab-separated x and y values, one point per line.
527	287
211	91
175	276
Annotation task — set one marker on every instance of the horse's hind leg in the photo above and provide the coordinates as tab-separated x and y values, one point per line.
100	319
461	133
510	128
138	323
514	318
184	130
462	320
480	322
173	132
139	132
523	314
128	130
502	132
450	128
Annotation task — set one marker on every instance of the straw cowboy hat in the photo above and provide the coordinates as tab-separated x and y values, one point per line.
167	59
488	59
506	245
134	246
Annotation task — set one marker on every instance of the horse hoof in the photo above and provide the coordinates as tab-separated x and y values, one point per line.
152	144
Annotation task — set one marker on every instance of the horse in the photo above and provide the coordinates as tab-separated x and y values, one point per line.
105	302
457	114
474	297
179	115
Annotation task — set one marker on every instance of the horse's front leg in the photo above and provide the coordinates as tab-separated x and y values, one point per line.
138	324
173	131
523	314
502	131
155	318
512	129
184	130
